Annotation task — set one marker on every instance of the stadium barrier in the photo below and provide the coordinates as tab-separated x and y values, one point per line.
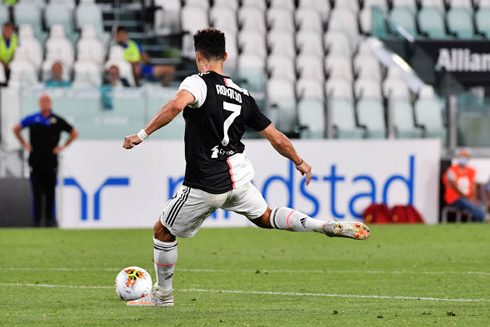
104	186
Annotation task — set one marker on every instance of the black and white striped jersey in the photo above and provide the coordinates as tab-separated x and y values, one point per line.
215	123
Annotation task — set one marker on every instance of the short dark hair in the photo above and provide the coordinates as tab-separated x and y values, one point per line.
121	29
210	42
8	24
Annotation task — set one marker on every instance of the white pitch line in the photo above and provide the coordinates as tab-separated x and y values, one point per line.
286	271
356	296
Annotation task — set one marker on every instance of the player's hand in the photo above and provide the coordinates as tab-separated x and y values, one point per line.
131	141
304	168
27	146
57	149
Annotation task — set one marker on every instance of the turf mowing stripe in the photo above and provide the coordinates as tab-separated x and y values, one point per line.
357	296
394	272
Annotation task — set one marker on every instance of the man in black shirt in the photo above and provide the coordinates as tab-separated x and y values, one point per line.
45	129
218	173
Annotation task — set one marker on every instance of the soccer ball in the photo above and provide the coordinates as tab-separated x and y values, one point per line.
133	283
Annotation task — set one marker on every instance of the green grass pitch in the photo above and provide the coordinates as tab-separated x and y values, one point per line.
401	276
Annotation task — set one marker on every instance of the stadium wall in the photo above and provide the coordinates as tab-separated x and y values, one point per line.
105	186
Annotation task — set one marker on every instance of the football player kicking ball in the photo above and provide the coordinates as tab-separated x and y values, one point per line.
218	173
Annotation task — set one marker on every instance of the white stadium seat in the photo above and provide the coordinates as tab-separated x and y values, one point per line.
167	19
29	41
22	71
281	43
226	3
394	88
309	20
251	68
224	18
309	43
367	89
320	6
259	4
339	67
284	4
193	19
252	42
87	74
59	48
116	58
310	67
337	42
281	94
280	66
203	4
311	116
252	19
309	89
345	20
280	19
367	67
352	5
338	88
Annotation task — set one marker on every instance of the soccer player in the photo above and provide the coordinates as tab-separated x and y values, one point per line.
218	173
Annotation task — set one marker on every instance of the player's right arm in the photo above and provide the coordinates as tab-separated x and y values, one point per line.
284	146
17	128
164	116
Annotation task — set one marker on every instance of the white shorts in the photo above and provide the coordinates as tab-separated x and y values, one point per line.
185	212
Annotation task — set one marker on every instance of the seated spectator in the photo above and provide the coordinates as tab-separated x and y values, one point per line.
8	44
113	78
56	79
459	181
140	60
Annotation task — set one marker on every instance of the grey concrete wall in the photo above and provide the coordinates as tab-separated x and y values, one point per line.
15	202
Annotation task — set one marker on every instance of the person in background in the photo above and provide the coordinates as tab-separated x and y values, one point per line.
56	79
114	79
459	181
8	44
45	129
140	60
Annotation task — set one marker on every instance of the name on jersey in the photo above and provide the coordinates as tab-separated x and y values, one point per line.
230	93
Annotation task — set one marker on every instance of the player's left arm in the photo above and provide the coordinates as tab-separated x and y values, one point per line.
164	116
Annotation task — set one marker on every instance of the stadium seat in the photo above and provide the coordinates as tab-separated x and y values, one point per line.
232	50
71	4
394	72
395	88
364	49
279	19
435	4
259	4
352	5
226	3
167	19
370	114
320	6
252	19
26	13
90	47
4	14
466	4
91	14
310	67
344	120
29	41
203	4
482	22
284	4
22	72
116	58
309	89
252	42
484	4
337	43
60	14
58	48
338	88
367	67
339	67
309	43
344	20
280	66
193	19
87	74
428	114
251	68
405	18
309	20
366	21
431	22
403	119
460	22
367	88
311	117
281	95
224	18
381	4
281	43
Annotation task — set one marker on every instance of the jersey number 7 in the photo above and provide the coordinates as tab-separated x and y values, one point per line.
235	112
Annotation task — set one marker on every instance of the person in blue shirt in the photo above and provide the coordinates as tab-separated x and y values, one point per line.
56	79
45	129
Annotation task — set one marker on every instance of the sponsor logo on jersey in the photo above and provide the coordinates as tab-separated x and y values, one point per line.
217	151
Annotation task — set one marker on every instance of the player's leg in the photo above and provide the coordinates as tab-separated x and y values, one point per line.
37	193
165	73
183	216
50	185
249	202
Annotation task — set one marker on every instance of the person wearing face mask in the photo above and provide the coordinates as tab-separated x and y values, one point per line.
459	181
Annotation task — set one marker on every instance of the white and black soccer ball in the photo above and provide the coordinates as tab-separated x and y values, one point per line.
133	283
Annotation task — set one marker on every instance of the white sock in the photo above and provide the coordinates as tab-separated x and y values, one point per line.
165	256
289	219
